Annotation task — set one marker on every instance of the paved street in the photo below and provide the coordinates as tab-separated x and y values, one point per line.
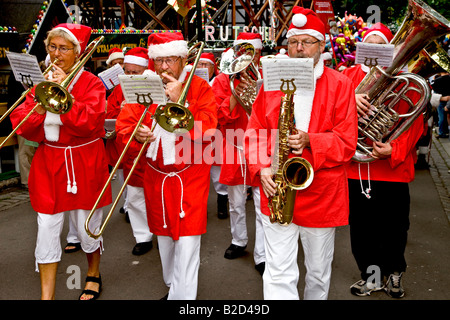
128	277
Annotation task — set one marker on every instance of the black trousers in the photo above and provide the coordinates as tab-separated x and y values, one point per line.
379	226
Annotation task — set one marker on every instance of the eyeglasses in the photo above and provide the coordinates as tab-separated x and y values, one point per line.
305	44
168	61
63	50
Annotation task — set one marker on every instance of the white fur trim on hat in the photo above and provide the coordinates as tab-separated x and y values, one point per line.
206	60
257	43
72	36
299	20
311	32
176	48
136	60
114	56
378	33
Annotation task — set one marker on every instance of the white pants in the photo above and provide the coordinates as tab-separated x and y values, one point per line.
281	274
48	243
138	214
180	263
219	187
237	197
72	235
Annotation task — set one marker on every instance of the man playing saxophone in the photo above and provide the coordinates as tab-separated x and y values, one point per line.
328	142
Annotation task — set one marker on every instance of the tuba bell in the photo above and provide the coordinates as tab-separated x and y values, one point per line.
238	61
386	87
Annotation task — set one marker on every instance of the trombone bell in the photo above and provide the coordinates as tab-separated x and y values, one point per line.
53	97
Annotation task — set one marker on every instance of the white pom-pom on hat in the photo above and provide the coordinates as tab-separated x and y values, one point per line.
299	20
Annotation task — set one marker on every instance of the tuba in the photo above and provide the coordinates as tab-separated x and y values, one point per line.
386	88
54	97
238	60
291	174
172	117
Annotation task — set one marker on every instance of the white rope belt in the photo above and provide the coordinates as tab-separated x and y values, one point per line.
71	187
243	165
170	175
367	191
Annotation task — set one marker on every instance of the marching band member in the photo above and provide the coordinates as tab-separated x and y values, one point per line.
135	63
115	56
327	141
234	171
176	189
208	61
70	153
374	185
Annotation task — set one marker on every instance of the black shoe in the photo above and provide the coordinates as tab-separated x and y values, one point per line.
222	206
442	136
141	248
122	210
234	251
260	267
76	247
127	217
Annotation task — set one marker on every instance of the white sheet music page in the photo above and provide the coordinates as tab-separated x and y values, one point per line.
25	68
139	89
301	70
371	54
110	77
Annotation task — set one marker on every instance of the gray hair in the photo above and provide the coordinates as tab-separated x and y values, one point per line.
61	33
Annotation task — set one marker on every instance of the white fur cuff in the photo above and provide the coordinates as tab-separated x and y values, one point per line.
52	125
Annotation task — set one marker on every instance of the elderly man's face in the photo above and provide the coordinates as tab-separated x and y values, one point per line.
172	65
207	65
374	38
133	69
305	46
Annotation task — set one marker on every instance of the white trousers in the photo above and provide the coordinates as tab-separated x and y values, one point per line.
281	274
48	243
237	198
138	214
215	175
72	235
180	261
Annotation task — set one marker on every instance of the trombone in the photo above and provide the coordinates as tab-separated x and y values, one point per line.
24	94
172	117
54	97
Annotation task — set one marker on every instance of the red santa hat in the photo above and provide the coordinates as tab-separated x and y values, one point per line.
113	54
78	34
167	44
254	38
381	30
305	21
138	56
282	54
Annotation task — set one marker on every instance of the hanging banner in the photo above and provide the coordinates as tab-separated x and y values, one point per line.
325	12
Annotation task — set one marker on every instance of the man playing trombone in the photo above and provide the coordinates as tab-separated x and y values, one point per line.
176	186
70	164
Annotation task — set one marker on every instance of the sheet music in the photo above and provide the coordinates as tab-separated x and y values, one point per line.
202	73
371	54
301	70
139	88
110	77
25	68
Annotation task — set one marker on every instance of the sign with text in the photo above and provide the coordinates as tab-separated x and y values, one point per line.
143	89
371	54
25	68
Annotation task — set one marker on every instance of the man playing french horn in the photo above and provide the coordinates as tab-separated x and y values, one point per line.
328	142
176	186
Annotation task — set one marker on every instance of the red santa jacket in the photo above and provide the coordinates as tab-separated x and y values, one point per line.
176	194
400	166
333	134
234	168
70	148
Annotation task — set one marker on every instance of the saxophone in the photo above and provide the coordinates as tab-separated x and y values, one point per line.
290	174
